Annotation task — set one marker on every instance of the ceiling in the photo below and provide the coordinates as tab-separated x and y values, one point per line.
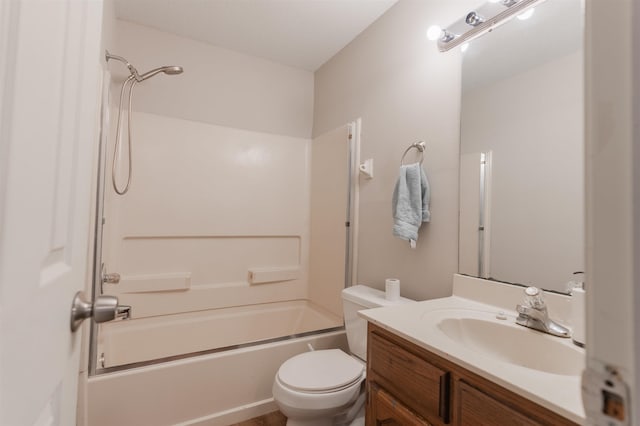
299	33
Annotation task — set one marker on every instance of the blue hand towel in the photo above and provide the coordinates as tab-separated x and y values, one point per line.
410	204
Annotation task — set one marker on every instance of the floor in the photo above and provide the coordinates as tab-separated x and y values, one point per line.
272	419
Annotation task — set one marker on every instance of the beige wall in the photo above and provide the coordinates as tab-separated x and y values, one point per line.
218	86
404	90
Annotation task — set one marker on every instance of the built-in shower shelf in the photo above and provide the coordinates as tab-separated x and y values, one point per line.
153	283
275	274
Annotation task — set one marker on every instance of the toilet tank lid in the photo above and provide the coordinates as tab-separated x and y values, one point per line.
370	297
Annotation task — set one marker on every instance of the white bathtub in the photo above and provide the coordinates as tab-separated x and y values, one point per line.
146	339
218	388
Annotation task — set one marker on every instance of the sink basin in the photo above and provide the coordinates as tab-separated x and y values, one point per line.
506	341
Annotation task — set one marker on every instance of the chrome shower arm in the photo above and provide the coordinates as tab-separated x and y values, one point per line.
132	69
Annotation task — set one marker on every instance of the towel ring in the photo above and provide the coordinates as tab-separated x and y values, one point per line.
420	146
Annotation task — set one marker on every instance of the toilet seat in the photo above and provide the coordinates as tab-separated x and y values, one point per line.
321	371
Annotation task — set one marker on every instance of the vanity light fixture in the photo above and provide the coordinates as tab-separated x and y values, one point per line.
490	15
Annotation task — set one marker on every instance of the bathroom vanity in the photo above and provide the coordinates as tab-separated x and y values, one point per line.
460	361
409	385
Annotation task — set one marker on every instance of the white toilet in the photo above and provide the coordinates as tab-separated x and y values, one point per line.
326	387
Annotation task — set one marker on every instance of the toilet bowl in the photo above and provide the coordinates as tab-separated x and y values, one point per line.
326	387
314	388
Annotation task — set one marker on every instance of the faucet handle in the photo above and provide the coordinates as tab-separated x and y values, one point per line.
533	298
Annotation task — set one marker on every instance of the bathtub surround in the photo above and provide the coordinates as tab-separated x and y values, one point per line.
219	214
216	234
404	90
211	203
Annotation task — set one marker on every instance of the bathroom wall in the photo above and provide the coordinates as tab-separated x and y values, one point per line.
540	137
218	86
404	90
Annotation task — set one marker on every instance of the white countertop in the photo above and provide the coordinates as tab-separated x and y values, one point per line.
414	322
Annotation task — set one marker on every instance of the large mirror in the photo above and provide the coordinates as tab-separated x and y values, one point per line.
522	150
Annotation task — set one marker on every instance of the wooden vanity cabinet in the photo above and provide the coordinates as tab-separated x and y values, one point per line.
408	385
386	410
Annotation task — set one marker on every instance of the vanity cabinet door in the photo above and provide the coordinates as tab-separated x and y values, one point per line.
475	408
387	411
420	385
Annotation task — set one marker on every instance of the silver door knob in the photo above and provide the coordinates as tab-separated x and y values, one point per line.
106	308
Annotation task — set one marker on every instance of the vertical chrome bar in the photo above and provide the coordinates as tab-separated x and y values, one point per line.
348	267
481	221
99	217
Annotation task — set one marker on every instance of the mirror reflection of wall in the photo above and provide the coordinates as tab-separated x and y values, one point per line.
522	106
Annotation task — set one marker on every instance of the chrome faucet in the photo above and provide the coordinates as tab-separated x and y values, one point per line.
533	314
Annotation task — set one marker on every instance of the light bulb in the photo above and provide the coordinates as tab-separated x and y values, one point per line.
474	19
526	14
433	33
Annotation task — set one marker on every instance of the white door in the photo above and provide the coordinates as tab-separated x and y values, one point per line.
49	89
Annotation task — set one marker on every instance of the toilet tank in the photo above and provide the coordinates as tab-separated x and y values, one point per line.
355	299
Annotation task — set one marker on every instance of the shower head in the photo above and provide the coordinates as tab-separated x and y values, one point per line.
172	70
169	70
